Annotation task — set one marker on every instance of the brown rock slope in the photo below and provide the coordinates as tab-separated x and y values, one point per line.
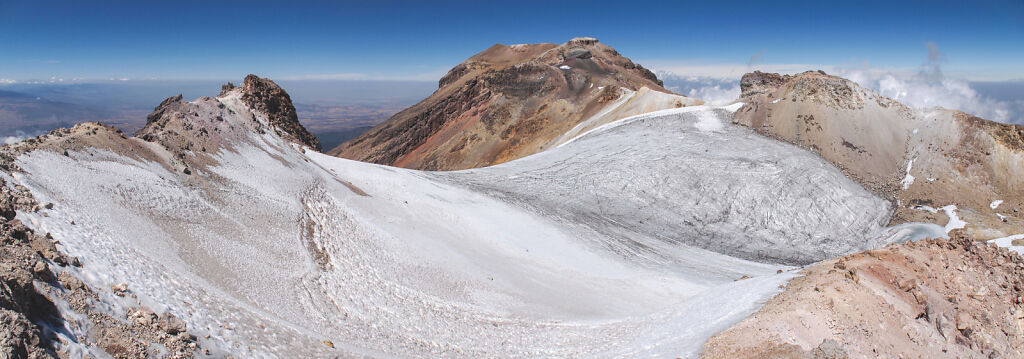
952	158
955	298
511	101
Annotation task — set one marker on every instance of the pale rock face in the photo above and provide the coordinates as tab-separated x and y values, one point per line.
885	146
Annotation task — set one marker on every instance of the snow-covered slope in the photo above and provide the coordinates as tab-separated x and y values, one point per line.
631	240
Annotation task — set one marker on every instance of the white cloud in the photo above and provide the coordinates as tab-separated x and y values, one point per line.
11	139
922	92
18	137
930	87
716	94
4	81
715	91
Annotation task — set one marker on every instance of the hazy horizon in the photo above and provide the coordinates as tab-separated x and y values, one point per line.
45	40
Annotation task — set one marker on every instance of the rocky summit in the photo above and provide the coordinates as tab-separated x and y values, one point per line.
510	101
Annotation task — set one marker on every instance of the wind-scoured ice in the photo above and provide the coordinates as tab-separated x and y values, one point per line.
629	241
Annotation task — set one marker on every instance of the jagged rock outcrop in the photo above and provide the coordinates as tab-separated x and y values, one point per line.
920	159
761	83
265	96
511	101
199	125
952	298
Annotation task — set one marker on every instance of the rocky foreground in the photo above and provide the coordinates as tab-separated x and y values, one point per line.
35	276
936	298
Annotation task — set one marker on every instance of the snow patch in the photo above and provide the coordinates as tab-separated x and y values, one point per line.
733	107
908	179
954	221
1007	242
995	204
565	67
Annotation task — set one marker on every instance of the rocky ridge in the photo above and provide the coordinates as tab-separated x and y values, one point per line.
263	95
36	277
507	102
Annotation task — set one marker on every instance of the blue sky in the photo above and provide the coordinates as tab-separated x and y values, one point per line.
421	40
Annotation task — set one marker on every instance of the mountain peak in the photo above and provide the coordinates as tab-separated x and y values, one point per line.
510	101
187	125
264	95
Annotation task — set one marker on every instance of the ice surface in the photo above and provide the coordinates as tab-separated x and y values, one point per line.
729	191
629	241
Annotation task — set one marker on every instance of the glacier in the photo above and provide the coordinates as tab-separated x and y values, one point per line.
643	237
